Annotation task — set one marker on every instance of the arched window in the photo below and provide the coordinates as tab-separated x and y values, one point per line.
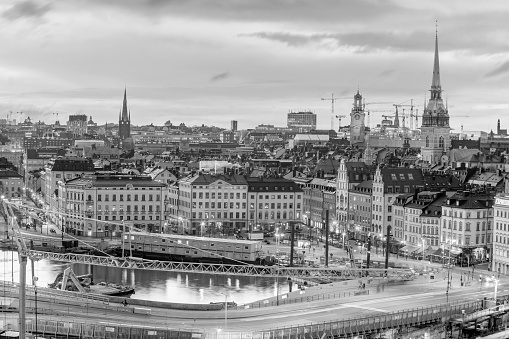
89	197
427	141
441	142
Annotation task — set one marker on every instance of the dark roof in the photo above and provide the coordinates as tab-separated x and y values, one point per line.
365	187
358	171
9	174
115	180
439	181
272	185
73	164
471	200
402	177
328	166
207	179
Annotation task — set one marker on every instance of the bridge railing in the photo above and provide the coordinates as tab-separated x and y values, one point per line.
105	330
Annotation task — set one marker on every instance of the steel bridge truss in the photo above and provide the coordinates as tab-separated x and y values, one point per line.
240	270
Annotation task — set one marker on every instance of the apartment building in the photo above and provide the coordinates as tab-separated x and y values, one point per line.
62	169
466	222
350	174
388	183
97	205
319	196
359	210
208	204
11	184
500	261
273	202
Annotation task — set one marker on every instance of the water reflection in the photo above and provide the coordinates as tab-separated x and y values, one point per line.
155	285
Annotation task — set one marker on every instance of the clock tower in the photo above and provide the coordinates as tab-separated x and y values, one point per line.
357	116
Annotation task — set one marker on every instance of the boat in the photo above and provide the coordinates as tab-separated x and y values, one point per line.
68	281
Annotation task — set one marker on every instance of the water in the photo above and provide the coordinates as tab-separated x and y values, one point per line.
154	285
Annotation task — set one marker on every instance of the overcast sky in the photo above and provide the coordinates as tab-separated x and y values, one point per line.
198	61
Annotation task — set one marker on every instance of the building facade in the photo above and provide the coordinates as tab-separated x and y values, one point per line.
99	205
11	184
77	124
301	121
500	262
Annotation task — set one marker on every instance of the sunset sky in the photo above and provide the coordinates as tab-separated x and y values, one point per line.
209	62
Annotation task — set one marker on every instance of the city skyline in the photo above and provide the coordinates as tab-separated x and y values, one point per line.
249	61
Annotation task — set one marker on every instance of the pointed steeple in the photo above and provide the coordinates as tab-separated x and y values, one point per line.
129	115
124	106
396	118
435	82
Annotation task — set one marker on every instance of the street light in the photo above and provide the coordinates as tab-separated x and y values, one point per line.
34	282
225	311
201	228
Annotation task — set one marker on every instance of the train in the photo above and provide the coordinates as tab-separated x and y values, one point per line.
186	248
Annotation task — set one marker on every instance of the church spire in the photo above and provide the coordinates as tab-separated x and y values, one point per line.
436	88
124	107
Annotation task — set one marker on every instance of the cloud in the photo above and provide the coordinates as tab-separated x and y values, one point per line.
219	77
504	68
387	73
26	9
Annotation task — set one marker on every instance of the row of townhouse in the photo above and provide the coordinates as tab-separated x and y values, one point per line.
453	220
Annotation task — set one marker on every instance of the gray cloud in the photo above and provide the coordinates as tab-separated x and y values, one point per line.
219	77
26	9
502	69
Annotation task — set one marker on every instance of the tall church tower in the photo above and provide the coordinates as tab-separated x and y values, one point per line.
357	117
124	120
435	130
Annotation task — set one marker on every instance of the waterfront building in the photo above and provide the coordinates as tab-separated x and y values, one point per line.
273	202
62	169
357	121
350	174
208	204
320	195
359	209
435	129
77	124
97	205
500	262
301	121
466	223
388	183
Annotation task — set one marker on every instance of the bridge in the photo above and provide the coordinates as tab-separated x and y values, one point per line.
71	328
333	273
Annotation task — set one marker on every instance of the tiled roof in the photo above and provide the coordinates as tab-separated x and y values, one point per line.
402	177
9	174
273	184
114	181
358	171
207	179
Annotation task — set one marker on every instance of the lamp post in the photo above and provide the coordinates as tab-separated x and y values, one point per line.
225	311
34	282
201	228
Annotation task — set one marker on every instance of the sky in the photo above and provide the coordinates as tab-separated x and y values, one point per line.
210	62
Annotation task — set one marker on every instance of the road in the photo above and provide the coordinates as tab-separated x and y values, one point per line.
394	298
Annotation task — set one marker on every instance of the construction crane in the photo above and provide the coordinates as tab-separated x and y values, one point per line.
374	103
339	117
57	122
411	112
332	99
375	111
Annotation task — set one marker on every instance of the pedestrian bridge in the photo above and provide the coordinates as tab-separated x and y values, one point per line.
332	273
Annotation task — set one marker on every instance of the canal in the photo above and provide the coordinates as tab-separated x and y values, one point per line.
154	285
